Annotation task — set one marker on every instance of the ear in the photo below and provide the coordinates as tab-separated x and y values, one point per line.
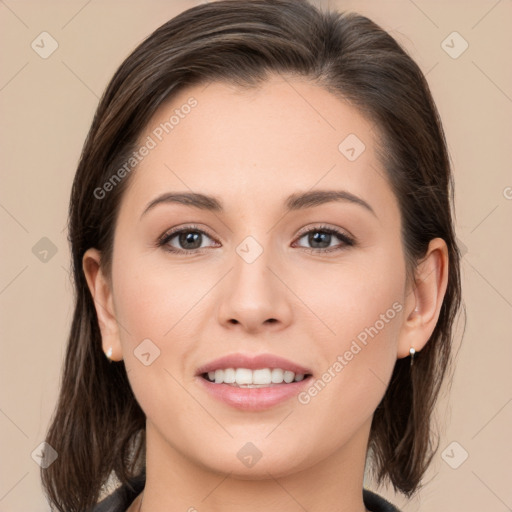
101	291
424	298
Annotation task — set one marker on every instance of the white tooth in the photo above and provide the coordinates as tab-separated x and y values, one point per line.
288	376
262	376
229	375
277	376
243	376
254	378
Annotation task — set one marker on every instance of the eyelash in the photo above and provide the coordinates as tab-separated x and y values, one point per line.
169	235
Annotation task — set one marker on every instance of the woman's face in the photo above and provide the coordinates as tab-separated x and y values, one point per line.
249	278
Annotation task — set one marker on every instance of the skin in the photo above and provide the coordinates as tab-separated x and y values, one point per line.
251	149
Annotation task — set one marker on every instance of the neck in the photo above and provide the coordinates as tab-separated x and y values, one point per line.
178	483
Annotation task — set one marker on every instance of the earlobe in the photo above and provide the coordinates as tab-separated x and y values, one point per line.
100	289
424	301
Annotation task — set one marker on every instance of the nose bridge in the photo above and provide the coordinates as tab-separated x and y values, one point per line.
252	280
253	294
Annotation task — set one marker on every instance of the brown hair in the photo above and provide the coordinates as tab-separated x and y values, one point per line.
98	427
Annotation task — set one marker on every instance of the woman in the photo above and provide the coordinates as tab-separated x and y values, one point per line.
264	251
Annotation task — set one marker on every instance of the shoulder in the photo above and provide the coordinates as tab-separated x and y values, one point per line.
376	503
122	497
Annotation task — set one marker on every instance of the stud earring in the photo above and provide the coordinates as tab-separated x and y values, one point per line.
108	353
412	353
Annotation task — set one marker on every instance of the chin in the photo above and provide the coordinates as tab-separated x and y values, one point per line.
261	470
255	461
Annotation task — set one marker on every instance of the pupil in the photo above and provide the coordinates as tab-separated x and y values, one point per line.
318	238
190	238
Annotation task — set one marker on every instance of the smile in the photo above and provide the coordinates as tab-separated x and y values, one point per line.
245	377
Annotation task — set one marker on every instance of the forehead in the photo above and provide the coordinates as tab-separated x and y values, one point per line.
256	144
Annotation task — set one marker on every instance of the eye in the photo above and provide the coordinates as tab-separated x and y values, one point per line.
188	240
320	239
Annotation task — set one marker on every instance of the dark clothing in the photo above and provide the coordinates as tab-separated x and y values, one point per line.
123	497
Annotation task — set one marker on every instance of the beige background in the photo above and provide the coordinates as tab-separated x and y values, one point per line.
46	108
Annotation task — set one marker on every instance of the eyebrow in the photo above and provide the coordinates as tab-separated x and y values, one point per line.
294	202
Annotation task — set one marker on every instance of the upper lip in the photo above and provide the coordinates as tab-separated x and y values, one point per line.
252	362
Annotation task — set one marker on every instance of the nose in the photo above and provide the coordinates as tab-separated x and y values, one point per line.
254	296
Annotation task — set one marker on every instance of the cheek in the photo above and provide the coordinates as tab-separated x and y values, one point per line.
343	299
361	312
151	306
151	299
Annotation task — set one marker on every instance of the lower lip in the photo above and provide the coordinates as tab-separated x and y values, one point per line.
253	399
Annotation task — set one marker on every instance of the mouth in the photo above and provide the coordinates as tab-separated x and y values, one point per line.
253	382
